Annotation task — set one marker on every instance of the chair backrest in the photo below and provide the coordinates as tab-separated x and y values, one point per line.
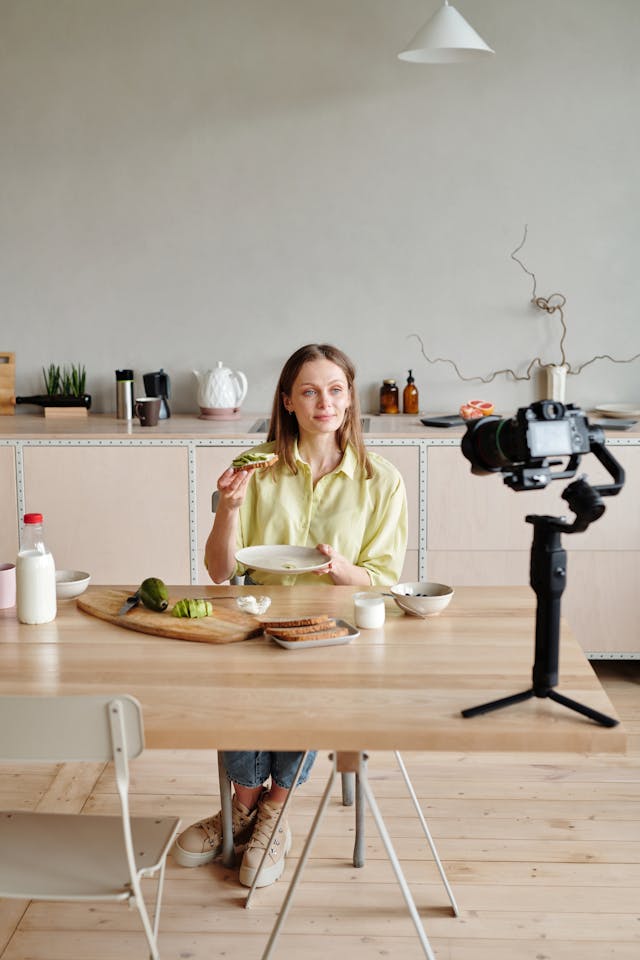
67	728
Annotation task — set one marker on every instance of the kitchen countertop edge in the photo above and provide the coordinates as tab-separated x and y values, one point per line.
97	426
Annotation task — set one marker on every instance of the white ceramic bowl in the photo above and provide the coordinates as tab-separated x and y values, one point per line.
421	598
71	583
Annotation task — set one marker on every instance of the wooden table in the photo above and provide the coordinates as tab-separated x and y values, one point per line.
400	687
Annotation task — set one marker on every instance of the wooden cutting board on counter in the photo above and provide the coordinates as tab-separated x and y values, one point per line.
7	384
227	624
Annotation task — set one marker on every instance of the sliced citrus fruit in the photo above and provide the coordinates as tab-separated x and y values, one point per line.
484	406
467	412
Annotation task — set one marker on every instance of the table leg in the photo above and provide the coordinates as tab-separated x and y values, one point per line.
395	863
301	863
350	763
427	833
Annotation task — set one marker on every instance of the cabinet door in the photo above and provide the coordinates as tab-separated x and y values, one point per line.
210	463
407	460
619	526
477	535
8	511
121	512
467	512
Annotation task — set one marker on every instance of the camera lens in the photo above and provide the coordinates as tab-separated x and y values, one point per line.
491	444
482	444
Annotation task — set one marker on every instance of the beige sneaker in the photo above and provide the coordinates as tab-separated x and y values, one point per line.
261	839
202	841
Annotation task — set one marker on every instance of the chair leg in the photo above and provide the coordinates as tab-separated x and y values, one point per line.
228	854
158	900
141	906
427	833
358	847
347	789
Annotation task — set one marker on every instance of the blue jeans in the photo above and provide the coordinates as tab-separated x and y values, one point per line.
252	769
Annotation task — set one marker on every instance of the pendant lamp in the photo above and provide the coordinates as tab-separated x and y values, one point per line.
445	38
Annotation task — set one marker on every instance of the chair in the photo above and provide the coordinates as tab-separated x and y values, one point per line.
53	856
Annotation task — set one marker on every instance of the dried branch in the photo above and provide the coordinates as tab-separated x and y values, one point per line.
547	304
551	304
511	373
601	356
513	257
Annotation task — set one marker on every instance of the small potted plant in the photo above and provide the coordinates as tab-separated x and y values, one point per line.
65	388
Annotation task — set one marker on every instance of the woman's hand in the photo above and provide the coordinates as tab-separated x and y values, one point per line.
232	487
219	551
340	570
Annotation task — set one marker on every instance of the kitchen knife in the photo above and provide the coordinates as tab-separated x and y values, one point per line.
129	604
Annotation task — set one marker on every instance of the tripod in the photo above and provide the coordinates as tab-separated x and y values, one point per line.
548	574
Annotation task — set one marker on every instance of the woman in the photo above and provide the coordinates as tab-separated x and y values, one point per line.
324	491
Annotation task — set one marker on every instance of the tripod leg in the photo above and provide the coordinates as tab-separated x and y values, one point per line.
548	572
581	708
497	704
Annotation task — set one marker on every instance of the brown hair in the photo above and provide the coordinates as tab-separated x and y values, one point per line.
284	426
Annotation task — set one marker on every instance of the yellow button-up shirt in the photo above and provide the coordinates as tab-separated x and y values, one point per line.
364	519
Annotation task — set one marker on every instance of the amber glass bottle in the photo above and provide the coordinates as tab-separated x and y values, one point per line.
410	396
389	397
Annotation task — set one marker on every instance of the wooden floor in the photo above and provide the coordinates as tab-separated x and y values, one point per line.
542	851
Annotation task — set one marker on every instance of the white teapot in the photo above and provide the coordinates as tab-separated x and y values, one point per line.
221	390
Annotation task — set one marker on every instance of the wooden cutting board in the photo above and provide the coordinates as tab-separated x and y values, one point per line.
7	384
227	624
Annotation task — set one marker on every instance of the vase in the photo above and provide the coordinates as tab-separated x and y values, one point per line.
556	382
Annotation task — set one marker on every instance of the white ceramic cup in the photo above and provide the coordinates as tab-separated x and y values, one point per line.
7	585
368	610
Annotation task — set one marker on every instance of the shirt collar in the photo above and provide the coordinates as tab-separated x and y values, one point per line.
347	465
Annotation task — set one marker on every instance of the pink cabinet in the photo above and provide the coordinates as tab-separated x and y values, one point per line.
119	512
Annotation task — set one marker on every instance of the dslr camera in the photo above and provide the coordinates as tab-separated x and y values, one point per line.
521	448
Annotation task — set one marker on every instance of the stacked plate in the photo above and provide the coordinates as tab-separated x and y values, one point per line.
619	410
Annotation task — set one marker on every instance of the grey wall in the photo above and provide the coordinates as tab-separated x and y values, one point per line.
186	181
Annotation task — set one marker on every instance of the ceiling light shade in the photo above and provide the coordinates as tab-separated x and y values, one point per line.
445	38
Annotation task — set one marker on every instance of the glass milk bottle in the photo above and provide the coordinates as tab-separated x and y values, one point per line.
35	574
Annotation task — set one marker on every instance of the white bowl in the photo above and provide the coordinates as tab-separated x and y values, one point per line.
421	598
71	583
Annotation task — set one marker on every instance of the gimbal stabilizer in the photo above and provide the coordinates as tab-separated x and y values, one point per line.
548	570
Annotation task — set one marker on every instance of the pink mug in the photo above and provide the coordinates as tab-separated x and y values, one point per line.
7	585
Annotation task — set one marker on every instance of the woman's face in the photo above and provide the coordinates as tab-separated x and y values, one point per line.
320	397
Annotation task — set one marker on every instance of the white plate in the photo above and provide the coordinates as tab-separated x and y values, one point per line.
282	558
620	410
307	644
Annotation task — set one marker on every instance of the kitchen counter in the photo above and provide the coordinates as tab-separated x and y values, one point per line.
104	483
192	427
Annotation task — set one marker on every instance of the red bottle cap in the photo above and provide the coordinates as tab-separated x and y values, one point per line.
33	518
